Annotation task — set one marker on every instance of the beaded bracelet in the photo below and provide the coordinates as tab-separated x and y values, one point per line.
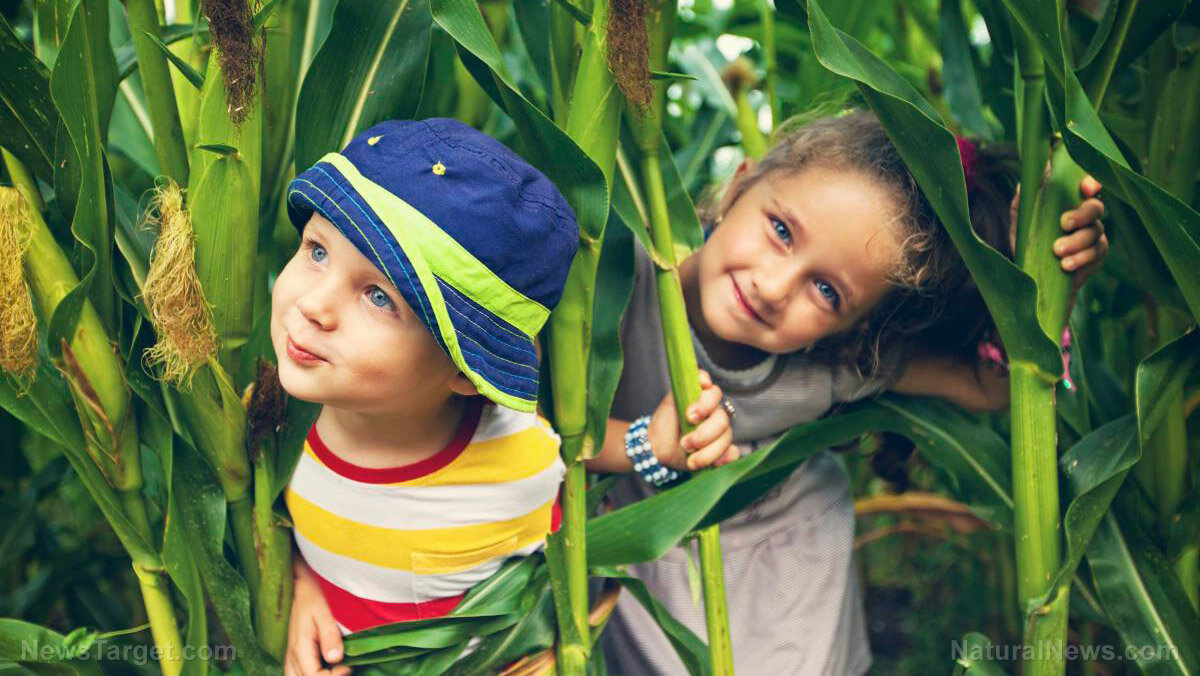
637	447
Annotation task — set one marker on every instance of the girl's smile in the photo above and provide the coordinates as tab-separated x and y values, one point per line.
797	257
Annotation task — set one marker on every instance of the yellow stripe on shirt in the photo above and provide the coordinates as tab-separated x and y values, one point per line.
435	550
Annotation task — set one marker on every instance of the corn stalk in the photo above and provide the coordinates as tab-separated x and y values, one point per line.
646	124
95	376
1037	520
593	122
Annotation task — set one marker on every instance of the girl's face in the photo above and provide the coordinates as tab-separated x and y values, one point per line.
798	257
367	351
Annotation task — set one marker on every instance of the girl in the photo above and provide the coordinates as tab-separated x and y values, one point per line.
825	277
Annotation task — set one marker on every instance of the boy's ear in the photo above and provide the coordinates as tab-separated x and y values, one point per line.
461	384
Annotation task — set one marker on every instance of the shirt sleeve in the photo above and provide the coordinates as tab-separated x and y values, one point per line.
849	384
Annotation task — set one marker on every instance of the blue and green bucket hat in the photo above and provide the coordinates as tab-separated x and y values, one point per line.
476	240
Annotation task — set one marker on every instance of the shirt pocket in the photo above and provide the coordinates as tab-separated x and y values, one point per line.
444	574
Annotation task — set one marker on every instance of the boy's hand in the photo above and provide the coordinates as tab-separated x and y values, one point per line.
710	443
312	632
1083	249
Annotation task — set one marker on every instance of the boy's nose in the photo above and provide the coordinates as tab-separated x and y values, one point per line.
316	305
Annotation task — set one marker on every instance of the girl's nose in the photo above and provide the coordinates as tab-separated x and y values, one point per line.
774	282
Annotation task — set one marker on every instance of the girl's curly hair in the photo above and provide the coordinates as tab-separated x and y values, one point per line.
932	305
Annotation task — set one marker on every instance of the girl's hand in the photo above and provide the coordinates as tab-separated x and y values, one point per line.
710	443
1082	250
312	631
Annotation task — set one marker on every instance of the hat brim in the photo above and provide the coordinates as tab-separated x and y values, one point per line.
497	357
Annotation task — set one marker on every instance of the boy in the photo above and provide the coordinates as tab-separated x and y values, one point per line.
430	257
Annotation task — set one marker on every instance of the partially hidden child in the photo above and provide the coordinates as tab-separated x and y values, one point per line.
430	257
825	278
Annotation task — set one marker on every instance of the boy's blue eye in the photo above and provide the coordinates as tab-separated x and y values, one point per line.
781	230
316	252
380	299
830	293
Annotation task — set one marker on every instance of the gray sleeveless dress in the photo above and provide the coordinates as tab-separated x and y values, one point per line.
795	603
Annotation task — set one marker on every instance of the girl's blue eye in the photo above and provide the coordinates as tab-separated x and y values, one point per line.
380	299
829	293
781	230
316	251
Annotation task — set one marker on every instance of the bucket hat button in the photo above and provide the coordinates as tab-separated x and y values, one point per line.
439	169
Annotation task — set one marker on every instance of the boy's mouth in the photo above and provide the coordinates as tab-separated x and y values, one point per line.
743	303
299	354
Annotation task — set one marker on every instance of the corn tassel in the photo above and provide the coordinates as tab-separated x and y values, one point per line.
739	78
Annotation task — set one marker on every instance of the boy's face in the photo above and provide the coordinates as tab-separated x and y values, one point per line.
344	336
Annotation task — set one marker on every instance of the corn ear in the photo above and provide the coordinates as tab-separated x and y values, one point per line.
174	299
224	188
18	324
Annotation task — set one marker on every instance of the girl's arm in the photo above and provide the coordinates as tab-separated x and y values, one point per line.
710	443
981	387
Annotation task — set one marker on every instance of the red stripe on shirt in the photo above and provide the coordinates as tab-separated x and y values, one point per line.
357	614
389	475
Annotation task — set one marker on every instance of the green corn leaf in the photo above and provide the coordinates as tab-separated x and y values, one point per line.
371	68
691	649
971	657
958	71
1165	369
971	459
970	456
543	143
127	59
222	149
533	631
1173	225
1095	468
177	556
1142	596
28	118
182	66
45	405
576	13
930	151
42	650
201	510
83	86
615	277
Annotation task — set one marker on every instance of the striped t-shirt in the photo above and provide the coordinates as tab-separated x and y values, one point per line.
405	543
